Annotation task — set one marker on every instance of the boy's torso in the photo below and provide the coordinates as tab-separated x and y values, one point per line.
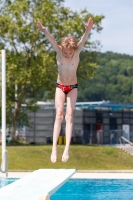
67	69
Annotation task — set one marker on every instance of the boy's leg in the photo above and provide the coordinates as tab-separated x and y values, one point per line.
59	106
71	101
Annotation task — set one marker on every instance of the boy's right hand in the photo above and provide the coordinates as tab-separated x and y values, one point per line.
89	24
40	26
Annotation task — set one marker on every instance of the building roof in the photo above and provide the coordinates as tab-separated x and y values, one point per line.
104	105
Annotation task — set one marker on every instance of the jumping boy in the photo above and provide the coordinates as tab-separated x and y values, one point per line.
66	88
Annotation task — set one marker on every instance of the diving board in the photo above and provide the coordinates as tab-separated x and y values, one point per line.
38	185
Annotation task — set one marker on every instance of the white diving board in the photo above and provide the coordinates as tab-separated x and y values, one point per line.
38	185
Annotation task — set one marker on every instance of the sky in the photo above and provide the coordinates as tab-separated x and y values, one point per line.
117	33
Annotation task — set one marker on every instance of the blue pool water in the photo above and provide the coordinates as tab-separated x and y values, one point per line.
95	189
89	189
6	181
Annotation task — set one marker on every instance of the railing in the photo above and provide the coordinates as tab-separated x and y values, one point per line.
4	164
125	140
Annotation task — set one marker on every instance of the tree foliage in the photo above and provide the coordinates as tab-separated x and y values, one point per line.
112	81
30	59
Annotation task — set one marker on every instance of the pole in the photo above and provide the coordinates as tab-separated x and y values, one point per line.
4	152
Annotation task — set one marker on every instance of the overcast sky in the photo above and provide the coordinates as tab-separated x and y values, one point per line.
117	33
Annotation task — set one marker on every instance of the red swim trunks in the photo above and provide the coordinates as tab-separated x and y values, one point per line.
66	88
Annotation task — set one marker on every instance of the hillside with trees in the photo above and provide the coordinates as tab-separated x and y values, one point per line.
113	79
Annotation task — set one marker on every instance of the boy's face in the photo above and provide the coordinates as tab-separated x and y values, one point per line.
67	53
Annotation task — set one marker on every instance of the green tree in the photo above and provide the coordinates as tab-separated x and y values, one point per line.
30	58
112	81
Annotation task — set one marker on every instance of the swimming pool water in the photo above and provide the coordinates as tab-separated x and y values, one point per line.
95	189
6	181
89	189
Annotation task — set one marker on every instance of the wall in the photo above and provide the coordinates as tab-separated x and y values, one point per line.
42	123
89	126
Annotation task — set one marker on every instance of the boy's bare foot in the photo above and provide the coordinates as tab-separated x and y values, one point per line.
65	155
54	155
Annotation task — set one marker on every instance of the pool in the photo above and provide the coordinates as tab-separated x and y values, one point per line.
6	181
95	189
89	189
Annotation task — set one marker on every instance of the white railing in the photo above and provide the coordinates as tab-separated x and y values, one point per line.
125	140
4	164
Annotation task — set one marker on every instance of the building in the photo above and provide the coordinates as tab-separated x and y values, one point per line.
94	123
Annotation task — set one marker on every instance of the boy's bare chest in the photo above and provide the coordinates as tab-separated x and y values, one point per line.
67	63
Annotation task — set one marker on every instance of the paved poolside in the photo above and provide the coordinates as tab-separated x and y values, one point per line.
92	174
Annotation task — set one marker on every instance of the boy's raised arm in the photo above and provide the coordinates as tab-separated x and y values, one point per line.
48	36
85	35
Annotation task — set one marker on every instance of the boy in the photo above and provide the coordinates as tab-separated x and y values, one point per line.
67	61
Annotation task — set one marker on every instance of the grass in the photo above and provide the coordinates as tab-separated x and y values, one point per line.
81	157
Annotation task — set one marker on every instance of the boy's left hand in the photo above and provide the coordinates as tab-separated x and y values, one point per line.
89	24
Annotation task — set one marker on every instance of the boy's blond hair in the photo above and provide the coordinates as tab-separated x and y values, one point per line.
69	42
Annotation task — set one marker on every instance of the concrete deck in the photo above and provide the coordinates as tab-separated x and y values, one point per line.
92	174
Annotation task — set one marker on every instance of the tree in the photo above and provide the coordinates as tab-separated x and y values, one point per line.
30	58
112	81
